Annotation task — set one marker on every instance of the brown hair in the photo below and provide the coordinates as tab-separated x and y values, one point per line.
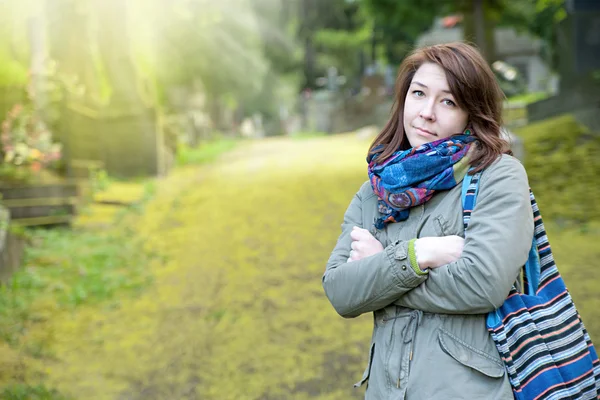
475	89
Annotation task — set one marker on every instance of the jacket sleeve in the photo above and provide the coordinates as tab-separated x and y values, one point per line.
357	287
496	246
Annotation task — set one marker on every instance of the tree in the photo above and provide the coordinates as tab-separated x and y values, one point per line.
334	33
277	21
539	18
398	24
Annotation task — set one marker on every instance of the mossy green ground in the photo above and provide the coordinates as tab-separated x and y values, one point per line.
236	309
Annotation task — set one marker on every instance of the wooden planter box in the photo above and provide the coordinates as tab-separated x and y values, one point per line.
40	204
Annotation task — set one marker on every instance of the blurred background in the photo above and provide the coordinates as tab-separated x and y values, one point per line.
173	175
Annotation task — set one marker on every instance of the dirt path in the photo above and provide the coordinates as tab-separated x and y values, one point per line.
237	310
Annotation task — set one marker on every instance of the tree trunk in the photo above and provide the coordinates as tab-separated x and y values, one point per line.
479	27
309	51
489	32
70	41
37	40
113	39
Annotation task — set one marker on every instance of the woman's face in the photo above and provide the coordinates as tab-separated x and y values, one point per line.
430	111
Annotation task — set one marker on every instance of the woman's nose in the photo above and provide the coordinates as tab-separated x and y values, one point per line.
427	111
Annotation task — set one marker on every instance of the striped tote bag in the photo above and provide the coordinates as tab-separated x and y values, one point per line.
539	334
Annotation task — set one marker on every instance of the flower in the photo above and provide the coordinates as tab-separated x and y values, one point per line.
35	154
26	142
16	110
36	166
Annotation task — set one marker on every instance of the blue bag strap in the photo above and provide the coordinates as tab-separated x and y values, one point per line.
465	186
468	201
532	270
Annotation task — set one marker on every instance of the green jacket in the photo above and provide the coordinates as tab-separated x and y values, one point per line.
429	338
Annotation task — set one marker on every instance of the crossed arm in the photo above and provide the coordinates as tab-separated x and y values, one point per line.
475	282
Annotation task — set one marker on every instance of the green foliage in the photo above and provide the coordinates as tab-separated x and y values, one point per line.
335	33
556	8
340	34
399	23
340	47
12	73
206	151
99	180
241	54
308	135
218	45
65	269
14	46
339	39
411	17
538	18
528	98
563	163
26	392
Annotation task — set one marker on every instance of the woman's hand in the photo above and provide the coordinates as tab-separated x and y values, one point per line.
363	244
433	252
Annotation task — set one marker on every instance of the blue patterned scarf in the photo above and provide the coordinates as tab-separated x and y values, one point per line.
411	177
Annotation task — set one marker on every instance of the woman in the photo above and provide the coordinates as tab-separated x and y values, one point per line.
402	253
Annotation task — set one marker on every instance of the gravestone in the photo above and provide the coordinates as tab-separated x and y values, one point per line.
323	103
373	90
11	247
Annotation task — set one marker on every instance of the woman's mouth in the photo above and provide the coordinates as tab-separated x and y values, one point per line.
425	132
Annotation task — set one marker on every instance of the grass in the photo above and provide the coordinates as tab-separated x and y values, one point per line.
65	270
254	269
307	135
576	253
236	290
206	152
527	98
563	164
26	392
101	206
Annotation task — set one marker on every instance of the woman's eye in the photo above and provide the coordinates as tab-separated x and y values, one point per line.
418	93
449	103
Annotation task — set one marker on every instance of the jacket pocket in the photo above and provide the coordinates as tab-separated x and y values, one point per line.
469	356
367	372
